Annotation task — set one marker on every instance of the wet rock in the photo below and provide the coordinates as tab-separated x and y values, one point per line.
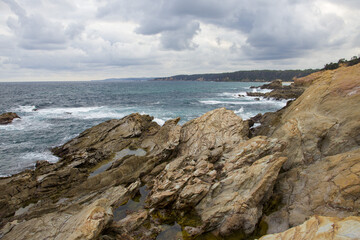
8	117
319	227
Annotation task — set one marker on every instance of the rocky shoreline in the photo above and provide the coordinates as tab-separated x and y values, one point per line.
279	91
296	176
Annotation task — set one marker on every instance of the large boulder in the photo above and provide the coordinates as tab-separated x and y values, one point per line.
8	117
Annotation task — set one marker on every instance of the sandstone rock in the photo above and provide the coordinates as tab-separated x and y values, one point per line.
201	142
324	120
321	129
329	187
321	228
235	201
8	117
99	142
225	177
84	217
86	224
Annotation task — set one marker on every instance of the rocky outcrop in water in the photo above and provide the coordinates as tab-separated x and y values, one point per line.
8	117
206	179
279	91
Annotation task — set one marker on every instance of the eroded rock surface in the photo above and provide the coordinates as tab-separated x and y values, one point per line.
302	161
321	228
322	131
220	173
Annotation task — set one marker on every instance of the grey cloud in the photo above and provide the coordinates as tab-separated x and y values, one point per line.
34	31
74	29
181	38
282	29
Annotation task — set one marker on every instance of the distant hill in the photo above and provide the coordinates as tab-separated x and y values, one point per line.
125	79
242	76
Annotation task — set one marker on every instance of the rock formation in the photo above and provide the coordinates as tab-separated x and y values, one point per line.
321	228
279	91
8	117
298	173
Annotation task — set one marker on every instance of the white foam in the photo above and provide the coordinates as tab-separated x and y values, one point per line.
259	90
241	110
215	102
245	115
25	108
159	121
26	123
35	156
83	112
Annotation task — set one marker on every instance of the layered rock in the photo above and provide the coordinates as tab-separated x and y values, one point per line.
77	219
8	117
302	161
220	173
321	228
321	129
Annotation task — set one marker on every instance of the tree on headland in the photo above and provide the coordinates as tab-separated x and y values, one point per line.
342	61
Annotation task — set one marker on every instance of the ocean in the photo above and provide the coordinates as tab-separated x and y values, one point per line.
52	113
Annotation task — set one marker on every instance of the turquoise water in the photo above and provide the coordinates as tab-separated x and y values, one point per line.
53	113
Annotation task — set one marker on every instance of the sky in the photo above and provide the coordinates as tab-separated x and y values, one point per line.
72	40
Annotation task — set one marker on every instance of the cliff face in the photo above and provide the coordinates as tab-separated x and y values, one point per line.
206	176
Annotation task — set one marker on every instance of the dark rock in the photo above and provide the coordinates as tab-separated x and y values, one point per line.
276	84
255	94
8	117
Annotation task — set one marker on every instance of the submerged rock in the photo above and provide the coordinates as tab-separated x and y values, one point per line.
8	117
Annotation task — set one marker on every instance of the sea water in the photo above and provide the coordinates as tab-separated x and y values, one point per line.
52	113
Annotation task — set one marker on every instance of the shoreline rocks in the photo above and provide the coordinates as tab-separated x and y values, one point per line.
297	173
7	118
279	91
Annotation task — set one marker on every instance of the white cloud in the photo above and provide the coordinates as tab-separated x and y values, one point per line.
119	38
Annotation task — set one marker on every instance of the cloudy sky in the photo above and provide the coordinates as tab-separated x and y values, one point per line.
97	39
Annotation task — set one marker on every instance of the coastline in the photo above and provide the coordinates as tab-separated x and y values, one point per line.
208	163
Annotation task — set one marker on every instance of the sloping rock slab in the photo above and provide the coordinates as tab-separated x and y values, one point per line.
321	228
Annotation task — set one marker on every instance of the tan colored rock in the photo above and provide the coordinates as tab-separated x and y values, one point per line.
86	224
248	176
324	120
329	187
99	142
226	181
321	228
79	218
321	129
